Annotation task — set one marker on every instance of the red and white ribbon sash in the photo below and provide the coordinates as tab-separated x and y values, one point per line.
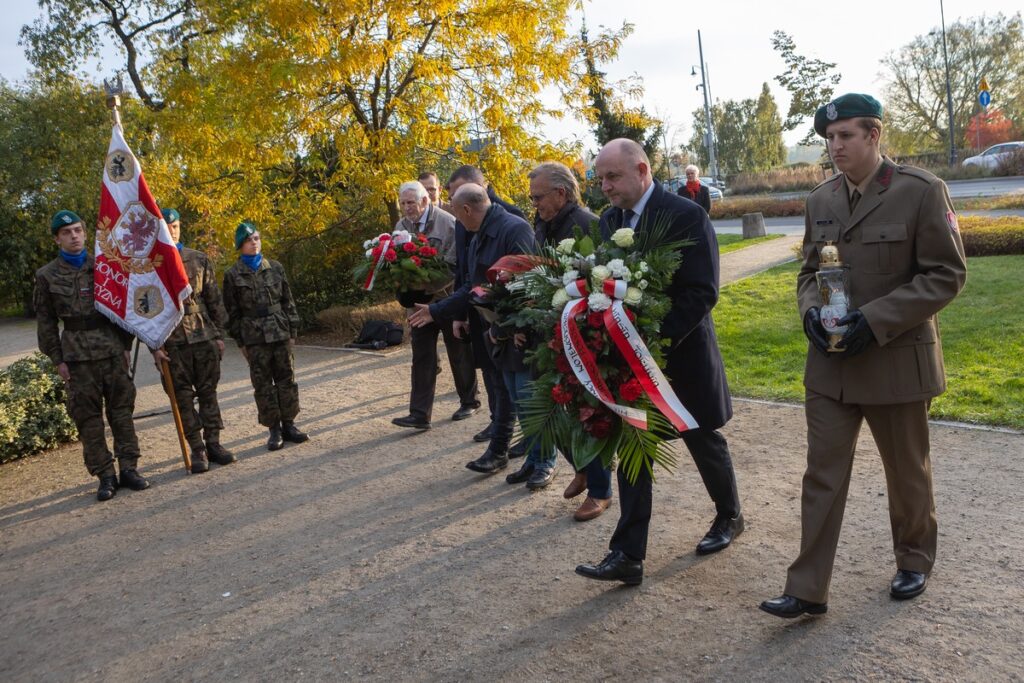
582	361
632	348
384	244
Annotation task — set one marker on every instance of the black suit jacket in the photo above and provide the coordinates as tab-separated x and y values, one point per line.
694	367
703	196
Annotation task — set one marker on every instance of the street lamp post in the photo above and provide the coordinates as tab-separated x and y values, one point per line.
949	91
709	123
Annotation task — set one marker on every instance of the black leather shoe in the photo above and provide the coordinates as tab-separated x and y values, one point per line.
788	607
722	532
489	463
614	567
133	480
540	478
276	441
517	450
219	454
107	489
289	432
200	463
482	436
464	412
411	422
907	584
520	475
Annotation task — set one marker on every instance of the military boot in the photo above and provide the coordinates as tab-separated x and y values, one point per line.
133	480
108	488
200	463
291	433
276	441
219	454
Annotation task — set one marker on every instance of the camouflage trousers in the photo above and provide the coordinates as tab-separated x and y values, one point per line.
272	371
97	385
195	371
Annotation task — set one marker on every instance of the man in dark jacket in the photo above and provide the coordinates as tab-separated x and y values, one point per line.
555	195
694	369
496	233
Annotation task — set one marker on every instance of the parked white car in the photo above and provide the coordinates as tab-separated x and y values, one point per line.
991	157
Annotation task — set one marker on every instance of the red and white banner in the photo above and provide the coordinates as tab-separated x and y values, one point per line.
139	281
632	348
380	251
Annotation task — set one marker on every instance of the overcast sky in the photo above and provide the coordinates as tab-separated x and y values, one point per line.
737	47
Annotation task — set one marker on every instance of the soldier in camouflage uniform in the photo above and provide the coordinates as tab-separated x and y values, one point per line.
91	356
194	351
263	320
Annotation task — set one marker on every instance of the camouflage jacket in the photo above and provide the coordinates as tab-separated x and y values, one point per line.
205	318
259	304
64	294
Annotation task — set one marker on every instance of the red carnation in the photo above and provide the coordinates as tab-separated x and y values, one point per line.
595	319
560	394
421	237
416	260
601	428
390	255
562	364
631	390
375	254
409	246
425	251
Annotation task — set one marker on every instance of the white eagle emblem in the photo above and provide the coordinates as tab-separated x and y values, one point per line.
831	113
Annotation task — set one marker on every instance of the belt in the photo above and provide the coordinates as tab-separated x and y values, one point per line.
261	311
82	323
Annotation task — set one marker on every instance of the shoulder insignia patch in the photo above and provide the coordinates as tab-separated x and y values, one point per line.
951	220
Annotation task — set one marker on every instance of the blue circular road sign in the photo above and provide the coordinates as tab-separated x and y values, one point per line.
984	98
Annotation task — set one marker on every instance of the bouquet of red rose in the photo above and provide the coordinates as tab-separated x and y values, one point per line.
401	261
601	392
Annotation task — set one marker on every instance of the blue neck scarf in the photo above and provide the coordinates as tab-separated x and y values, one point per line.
74	260
253	261
179	245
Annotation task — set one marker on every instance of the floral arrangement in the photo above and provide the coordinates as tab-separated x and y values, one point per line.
598	306
401	261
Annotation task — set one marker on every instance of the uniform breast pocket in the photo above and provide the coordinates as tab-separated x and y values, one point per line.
885	245
272	286
823	234
63	297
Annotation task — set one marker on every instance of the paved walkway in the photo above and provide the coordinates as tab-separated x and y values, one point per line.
737	265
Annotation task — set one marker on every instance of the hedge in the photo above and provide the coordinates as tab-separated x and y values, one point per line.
985	236
735	207
33	416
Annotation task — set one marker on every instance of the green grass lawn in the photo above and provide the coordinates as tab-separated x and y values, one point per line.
727	243
764	347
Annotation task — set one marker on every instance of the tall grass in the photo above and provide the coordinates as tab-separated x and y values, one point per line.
794	179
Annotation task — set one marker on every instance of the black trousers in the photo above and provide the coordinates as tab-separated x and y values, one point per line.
425	368
503	417
710	453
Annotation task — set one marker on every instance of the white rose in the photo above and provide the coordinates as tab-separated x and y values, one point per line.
623	237
566	246
633	296
570	276
599	274
599	302
643	266
369	253
367	244
642	284
560	298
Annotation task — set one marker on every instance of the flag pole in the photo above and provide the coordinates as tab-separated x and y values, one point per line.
114	90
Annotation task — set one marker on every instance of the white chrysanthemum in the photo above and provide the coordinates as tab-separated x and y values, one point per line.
566	246
623	237
570	276
633	296
599	302
367	244
560	298
642	284
369	253
618	267
643	266
400	237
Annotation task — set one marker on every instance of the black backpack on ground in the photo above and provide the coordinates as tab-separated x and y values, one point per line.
378	334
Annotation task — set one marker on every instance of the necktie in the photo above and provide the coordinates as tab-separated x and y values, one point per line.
854	198
627	218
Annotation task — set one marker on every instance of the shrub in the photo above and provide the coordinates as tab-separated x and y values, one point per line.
984	236
33	417
793	179
735	207
1012	164
346	321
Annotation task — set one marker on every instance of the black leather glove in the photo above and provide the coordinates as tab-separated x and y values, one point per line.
814	329
858	335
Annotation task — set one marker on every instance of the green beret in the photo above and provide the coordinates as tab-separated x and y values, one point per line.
171	215
63	218
848	106
242	232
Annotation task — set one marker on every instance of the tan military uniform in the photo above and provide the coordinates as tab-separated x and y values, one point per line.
906	262
195	357
93	348
262	317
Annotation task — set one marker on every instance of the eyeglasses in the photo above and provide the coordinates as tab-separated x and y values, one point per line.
535	198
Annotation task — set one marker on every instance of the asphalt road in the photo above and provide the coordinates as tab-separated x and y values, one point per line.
958	189
794	225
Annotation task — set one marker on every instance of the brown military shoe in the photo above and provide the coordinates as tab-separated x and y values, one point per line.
591	508
219	454
200	463
577	486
